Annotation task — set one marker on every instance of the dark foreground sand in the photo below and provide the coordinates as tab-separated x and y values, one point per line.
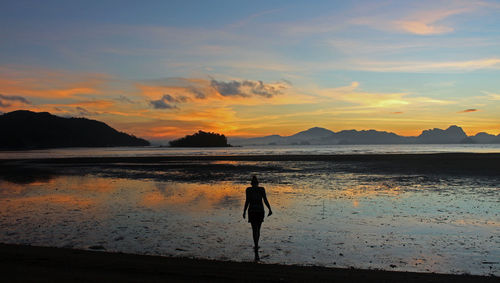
41	264
447	163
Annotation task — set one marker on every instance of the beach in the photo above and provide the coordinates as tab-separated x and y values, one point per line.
425	213
42	264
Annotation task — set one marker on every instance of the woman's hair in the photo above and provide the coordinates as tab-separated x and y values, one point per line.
255	182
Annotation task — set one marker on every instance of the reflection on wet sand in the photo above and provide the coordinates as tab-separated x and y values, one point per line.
193	196
341	220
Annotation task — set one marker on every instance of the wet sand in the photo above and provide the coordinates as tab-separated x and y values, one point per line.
446	163
399	212
20	263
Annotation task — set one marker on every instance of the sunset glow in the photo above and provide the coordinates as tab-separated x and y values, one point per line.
162	70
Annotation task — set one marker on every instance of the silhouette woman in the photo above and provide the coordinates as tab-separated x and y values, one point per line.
254	197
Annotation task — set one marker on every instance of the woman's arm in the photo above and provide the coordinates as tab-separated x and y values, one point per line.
266	202
247	203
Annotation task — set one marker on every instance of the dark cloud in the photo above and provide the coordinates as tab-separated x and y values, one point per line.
169	98
125	99
197	93
468	110
4	98
231	88
160	104
84	112
246	88
182	98
167	101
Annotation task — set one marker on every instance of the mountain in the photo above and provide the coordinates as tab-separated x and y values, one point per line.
453	134
266	140
484	138
367	137
314	135
315	132
322	136
24	129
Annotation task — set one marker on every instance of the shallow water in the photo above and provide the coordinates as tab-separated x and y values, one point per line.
251	150
322	216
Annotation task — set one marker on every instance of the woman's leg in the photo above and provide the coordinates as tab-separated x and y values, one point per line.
258	233
255	233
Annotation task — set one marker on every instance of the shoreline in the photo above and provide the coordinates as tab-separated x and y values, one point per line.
265	157
22	263
459	164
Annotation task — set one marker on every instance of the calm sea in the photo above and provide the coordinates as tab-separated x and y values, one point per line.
250	150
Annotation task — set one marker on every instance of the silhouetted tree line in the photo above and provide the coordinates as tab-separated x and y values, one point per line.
201	139
25	129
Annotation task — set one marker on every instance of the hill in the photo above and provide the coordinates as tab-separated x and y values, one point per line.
201	139
321	136
24	129
453	134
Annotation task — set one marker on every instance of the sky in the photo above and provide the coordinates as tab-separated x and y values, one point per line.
164	69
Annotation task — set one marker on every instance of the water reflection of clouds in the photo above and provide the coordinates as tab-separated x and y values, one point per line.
391	222
194	196
68	201
372	190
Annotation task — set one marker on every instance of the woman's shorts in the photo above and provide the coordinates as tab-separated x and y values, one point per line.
255	216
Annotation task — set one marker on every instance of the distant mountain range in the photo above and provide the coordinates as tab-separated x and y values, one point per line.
24	129
316	135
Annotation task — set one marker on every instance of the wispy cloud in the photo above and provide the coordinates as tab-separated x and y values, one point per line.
427	66
352	94
491	95
428	22
6	100
423	17
468	110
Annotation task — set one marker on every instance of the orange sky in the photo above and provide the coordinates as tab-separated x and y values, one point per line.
251	70
254	109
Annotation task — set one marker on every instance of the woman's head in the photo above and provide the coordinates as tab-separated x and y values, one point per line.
255	182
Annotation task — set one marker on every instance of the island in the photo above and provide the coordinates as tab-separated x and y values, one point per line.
23	129
201	139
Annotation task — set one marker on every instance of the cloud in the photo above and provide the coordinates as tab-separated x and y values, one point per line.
166	101
160	104
83	112
247	88
123	98
422	28
427	66
14	98
354	95
468	110
6	100
491	95
427	22
53	84
197	93
422	18
171	99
